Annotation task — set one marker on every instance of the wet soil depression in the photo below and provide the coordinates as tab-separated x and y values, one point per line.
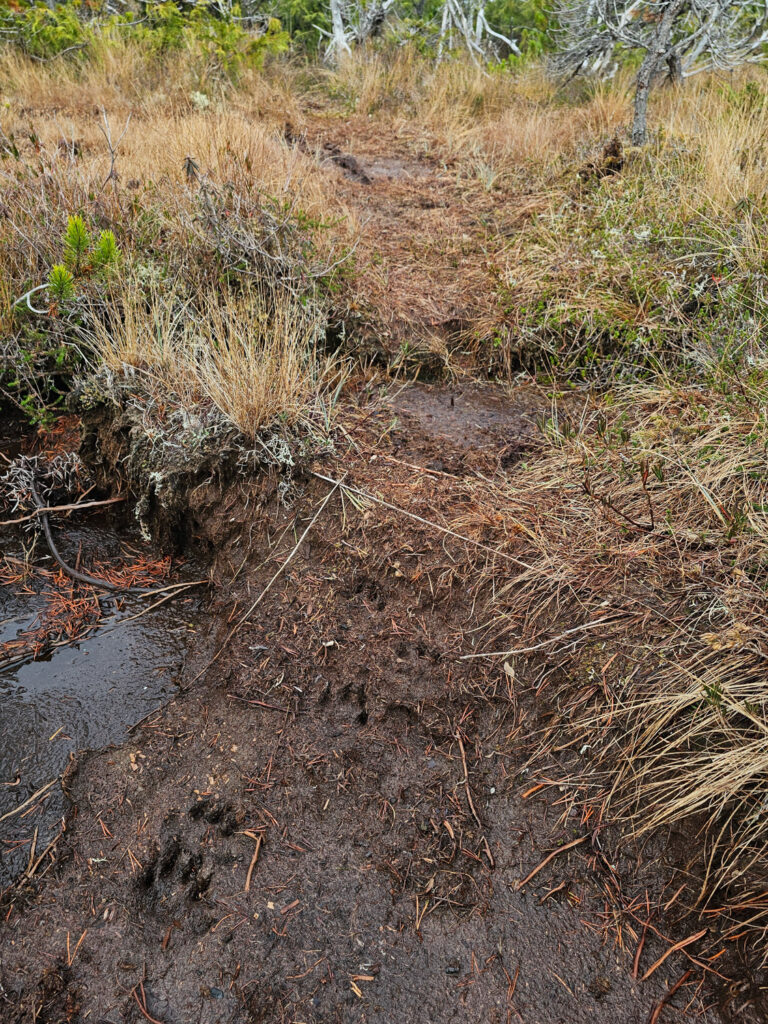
76	697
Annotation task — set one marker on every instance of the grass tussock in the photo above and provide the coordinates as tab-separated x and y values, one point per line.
661	262
250	360
203	201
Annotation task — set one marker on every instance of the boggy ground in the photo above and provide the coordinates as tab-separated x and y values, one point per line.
335	821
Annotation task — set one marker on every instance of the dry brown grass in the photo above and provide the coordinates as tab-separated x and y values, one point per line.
122	75
643	608
517	121
518	250
252	209
546	260
249	360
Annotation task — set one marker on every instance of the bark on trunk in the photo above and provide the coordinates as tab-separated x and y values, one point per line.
642	89
675	66
655	55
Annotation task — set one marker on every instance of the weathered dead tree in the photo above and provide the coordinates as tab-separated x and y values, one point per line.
463	22
681	37
353	21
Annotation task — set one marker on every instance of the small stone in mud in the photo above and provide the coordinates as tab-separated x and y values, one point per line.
599	986
216	993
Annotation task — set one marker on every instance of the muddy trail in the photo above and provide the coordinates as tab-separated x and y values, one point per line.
334	819
427	257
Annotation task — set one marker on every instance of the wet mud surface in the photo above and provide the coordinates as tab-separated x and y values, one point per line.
76	697
334	821
468	422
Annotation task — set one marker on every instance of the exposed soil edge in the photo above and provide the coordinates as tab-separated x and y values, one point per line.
189	508
177	491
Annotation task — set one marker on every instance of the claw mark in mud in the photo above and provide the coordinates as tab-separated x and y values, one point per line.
177	873
173	875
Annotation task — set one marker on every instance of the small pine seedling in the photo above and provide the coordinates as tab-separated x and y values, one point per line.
106	253
61	284
77	243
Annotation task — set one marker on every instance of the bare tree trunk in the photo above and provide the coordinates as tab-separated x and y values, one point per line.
654	55
675	66
642	89
338	43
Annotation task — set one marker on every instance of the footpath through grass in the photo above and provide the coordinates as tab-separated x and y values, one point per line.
220	251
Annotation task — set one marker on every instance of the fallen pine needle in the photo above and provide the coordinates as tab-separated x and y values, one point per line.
71	958
639	950
43	789
252	865
31	860
466	780
143	1008
33	866
537	869
673	949
665	999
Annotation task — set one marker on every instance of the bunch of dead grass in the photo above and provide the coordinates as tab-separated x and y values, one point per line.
252	360
659	257
214	213
644	605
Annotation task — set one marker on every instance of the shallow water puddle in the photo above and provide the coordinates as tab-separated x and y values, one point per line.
85	695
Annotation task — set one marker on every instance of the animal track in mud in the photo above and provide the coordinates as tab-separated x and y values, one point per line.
265	1004
173	875
215	812
178	874
420	648
361	697
402	713
363	585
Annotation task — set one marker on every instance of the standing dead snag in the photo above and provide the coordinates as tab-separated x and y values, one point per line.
681	37
354	21
463	23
